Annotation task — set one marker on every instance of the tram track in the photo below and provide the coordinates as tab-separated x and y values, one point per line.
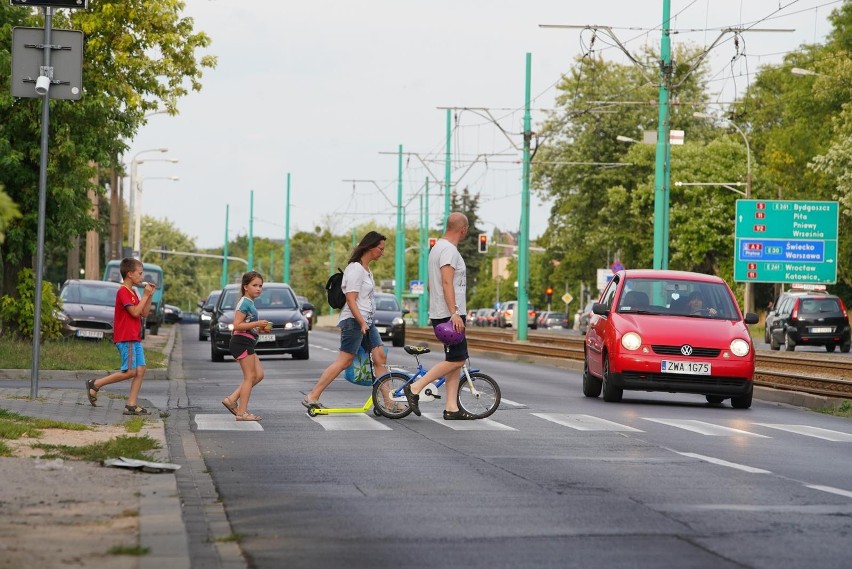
822	374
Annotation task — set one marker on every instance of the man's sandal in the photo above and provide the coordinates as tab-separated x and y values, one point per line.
229	406
249	417
90	386
135	410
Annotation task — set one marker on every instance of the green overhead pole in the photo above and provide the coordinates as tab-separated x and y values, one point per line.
524	237
447	169
271	265
331	269
251	232
354	242
286	275
662	166
422	276
224	280
399	249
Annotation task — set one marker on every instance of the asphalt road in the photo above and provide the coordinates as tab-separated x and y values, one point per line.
553	480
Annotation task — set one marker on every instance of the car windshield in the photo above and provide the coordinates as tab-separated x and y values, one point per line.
89	293
387	303
677	297
273	297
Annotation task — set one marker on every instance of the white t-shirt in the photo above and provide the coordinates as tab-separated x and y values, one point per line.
442	254
357	278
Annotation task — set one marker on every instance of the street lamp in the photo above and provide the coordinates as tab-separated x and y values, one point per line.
747	293
132	213
137	236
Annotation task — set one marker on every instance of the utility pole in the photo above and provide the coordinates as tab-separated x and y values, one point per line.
286	275
251	232
399	248
224	279
524	237
662	170
447	169
423	269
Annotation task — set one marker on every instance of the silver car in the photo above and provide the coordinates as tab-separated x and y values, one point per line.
88	308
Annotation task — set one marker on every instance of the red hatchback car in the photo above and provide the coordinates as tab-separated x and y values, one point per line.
669	331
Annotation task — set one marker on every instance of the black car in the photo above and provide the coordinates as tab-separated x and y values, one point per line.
207	306
389	319
278	304
810	320
308	310
173	314
88	308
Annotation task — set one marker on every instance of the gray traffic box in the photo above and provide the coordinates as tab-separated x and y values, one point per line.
66	60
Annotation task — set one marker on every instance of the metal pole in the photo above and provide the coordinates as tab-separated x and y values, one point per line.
748	300
224	280
42	201
399	252
131	213
286	277
447	169
137	215
251	232
524	237
422	273
661	166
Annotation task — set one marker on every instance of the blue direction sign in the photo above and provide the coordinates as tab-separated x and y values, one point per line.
786	241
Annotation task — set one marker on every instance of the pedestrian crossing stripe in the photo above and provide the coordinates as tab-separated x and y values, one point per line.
477	425
703	428
817	432
221	422
585	422
349	422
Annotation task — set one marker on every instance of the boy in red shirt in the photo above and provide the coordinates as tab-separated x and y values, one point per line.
127	332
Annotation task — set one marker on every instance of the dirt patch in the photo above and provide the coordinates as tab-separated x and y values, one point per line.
56	513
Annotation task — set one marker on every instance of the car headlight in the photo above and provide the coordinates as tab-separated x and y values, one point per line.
59	315
309	314
224	327
205	317
397	321
294	325
631	341
740	347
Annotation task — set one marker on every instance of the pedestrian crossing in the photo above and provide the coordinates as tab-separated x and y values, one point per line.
501	422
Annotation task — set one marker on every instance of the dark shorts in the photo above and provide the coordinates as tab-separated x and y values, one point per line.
241	346
351	337
457	353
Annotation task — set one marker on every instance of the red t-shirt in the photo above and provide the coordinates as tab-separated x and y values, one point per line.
126	327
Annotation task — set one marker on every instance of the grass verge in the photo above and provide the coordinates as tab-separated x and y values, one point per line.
123	445
15	426
842	410
69	354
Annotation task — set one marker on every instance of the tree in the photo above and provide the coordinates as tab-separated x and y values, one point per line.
138	55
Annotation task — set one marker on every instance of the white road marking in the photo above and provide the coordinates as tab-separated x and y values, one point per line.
224	422
349	422
584	422
830	490
703	428
721	462
475	425
835	436
510	402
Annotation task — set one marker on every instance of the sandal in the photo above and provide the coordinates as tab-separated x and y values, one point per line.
249	417
90	386
135	410
312	404
412	398
229	406
460	415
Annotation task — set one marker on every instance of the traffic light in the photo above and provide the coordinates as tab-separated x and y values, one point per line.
432	242
483	242
549	293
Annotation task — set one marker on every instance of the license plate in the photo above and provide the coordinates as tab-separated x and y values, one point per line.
381	329
822	330
266	338
90	334
690	368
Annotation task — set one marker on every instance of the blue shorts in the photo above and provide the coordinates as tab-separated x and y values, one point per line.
458	352
351	337
132	354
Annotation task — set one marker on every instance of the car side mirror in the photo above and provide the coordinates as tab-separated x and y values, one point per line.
405	311
600	309
201	304
751	318
307	306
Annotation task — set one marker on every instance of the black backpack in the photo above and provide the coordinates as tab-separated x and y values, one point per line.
334	290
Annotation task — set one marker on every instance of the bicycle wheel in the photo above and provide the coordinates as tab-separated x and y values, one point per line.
388	398
486	399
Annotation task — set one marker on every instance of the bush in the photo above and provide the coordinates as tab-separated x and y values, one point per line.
17	314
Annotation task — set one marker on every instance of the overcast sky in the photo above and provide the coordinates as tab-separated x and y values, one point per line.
321	89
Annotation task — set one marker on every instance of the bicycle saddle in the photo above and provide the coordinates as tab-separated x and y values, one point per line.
417	350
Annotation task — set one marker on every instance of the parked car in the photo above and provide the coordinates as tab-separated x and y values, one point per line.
88	308
810	320
484	317
308	310
794	291
277	303
585	316
173	314
553	320
390	319
207	307
507	314
645	338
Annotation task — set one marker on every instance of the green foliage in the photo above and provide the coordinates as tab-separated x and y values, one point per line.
122	445
17	313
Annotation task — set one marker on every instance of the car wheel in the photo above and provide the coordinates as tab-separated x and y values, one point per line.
845	347
611	393
591	384
829	348
789	344
773	345
714	399
766	336
215	355
303	354
744	401
399	341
